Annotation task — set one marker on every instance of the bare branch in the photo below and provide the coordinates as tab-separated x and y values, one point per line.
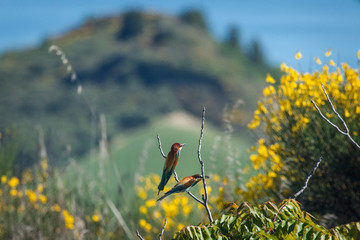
205	196
307	179
161	151
175	174
163	229
160	234
139	236
346	132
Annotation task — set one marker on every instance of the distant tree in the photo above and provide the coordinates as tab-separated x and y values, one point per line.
133	24
195	18
254	52
232	38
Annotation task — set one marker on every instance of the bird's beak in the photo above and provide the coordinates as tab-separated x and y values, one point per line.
181	145
205	177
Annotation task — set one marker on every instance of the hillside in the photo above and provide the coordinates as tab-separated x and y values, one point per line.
133	67
137	153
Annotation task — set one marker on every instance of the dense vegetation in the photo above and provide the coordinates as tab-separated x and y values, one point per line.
296	136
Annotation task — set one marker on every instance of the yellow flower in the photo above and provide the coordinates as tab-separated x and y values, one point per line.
40	188
13	182
150	203
42	198
358	54
266	92
13	192
284	67
143	210
263	151
270	79
216	177
317	60
332	63
298	55
3	179
184	200
357	110
272	174
142	223
68	219
347	113
328	53
55	208
95	218
208	188
31	195
142	194
186	209
148	227
180	226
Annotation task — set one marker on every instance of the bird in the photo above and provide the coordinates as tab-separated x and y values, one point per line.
170	164
183	185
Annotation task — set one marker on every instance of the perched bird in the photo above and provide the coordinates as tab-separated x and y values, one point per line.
183	185
170	164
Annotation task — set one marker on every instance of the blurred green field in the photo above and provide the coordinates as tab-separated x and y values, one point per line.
138	151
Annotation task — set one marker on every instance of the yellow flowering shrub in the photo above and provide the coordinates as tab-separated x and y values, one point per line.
295	136
25	203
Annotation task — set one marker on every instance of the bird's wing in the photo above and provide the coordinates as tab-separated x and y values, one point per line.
182	185
167	171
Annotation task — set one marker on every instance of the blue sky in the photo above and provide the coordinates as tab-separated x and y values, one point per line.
282	26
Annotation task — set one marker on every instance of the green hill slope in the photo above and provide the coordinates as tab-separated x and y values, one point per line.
138	152
133	67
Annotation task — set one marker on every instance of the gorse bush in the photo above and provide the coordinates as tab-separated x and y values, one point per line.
26	209
295	136
40	205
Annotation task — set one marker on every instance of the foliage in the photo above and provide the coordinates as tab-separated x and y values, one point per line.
232	38
133	25
41	205
296	136
267	221
8	152
195	18
255	53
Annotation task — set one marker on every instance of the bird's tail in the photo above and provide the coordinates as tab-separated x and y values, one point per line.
164	179
161	198
161	186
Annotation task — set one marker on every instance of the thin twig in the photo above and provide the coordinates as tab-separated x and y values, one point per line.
346	132
139	236
159	141
205	198
175	175
307	179
162	230
119	218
